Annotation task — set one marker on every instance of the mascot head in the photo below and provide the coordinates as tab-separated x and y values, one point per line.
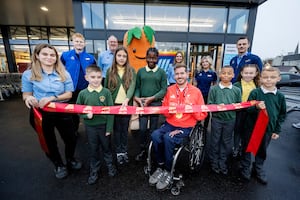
138	41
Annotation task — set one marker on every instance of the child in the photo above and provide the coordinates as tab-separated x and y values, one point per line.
98	127
274	102
120	80
151	87
205	78
222	123
247	80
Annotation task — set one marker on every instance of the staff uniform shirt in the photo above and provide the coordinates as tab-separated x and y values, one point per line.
204	80
50	85
76	65
105	60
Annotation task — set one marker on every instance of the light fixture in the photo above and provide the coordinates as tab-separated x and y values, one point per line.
207	25
44	8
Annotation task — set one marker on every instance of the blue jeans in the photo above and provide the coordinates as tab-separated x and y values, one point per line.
164	145
221	142
97	140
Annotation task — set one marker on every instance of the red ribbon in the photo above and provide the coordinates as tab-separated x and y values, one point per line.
39	129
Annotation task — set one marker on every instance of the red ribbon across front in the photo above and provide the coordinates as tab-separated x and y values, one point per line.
253	145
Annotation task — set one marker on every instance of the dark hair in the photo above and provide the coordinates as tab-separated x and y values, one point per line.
256	78
244	38
93	68
152	49
127	78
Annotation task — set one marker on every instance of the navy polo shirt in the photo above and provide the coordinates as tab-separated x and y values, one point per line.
204	80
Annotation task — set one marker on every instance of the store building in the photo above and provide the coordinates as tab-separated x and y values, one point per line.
207	27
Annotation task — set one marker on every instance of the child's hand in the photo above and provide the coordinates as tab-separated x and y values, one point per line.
89	115
261	105
275	136
107	134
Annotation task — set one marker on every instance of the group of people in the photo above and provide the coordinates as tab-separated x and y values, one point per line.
76	78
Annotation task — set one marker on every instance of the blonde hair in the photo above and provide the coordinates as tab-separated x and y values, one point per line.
36	68
209	60
182	55
268	68
77	35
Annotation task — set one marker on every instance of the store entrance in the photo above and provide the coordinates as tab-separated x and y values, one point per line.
198	50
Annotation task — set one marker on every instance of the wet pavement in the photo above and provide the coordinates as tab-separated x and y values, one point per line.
26	173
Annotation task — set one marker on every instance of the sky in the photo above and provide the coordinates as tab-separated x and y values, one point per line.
277	28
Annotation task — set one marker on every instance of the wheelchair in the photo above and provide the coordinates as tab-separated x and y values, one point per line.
194	145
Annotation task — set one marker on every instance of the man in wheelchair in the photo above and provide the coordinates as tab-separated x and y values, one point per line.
177	126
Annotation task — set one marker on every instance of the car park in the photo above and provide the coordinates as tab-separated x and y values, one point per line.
289	79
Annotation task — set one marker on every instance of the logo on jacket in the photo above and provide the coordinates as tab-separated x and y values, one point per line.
102	98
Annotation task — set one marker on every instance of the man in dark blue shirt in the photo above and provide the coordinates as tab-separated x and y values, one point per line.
244	57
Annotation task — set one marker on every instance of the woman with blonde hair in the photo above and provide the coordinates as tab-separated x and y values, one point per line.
47	81
179	58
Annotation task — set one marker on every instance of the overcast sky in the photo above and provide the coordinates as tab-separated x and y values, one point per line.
277	29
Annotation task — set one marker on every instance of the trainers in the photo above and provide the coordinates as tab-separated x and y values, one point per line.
93	177
262	178
215	170
164	182
296	125
156	176
61	172
245	177
120	158
141	156
74	164
125	157
224	171
111	170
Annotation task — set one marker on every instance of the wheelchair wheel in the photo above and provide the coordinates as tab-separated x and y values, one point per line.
196	146
175	191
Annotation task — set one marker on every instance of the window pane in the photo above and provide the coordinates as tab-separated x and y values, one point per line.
18	35
167	18
22	56
3	61
86	15
58	36
207	19
97	15
123	17
89	46
238	19
38	35
99	46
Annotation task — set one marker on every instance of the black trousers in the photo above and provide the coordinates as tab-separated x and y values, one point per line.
64	124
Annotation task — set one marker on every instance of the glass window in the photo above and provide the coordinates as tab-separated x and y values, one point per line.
18	35
38	35
237	22
22	56
93	16
3	61
208	19
123	17
89	46
58	36
99	46
164	17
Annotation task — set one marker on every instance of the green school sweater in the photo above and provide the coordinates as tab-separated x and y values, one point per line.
102	98
275	106
217	95
151	84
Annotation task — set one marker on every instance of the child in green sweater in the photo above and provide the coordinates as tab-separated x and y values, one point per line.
222	123
274	102
98	127
151	87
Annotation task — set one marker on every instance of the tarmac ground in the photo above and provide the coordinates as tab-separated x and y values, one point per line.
26	173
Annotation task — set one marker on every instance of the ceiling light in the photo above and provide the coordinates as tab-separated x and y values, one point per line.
44	8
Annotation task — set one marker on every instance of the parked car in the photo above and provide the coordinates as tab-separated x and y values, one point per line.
289	79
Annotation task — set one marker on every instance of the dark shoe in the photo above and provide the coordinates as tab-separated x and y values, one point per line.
61	172
223	171
245	177
141	156
120	158
125	157
215	170
93	177
262	179
74	164
111	170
